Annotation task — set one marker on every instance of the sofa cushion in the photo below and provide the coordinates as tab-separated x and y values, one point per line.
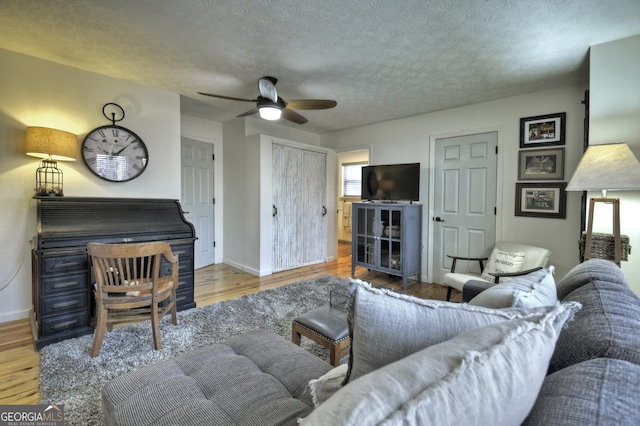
386	326
457	380
596	392
254	378
502	261
608	324
528	291
592	269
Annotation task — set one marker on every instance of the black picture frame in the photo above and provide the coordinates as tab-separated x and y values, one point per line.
542	130
548	200
541	164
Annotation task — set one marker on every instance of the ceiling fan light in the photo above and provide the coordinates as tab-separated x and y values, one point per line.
270	113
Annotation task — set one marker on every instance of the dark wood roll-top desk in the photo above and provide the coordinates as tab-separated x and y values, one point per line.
62	285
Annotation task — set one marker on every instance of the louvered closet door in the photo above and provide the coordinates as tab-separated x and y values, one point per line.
298	197
313	202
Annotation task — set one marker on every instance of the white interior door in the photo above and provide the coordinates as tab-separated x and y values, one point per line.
464	221
197	197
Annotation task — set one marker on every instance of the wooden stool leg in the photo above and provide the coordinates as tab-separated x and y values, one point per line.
295	334
334	355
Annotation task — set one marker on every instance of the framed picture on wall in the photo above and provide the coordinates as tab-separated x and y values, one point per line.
541	200
542	130
541	164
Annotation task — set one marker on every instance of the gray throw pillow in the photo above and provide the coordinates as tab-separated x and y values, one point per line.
490	375
527	291
386	326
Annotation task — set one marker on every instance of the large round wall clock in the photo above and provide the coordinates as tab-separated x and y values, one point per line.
113	152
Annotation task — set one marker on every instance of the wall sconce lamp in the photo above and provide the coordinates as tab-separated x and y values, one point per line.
51	145
606	167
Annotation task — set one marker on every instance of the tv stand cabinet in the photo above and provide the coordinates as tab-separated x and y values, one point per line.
387	238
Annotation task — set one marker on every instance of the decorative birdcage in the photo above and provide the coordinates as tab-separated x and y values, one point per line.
49	179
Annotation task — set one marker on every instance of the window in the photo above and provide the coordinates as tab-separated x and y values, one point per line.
352	179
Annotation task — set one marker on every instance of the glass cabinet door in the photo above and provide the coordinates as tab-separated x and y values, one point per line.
366	236
390	242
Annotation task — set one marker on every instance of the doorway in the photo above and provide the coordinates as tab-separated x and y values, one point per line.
197	196
346	159
464	200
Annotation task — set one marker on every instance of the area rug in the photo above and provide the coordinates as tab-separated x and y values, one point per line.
69	376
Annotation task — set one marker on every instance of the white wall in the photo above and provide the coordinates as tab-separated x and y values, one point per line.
247	189
34	92
615	117
407	140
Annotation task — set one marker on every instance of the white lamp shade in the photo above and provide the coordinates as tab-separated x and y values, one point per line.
43	142
608	167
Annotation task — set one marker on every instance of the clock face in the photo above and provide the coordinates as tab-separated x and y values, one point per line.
114	153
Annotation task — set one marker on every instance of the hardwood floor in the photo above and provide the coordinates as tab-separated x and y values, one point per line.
20	363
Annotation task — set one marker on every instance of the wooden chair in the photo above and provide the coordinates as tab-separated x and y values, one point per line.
130	286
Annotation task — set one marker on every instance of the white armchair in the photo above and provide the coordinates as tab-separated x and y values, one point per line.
506	260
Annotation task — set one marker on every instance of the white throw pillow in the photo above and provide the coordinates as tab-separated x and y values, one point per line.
328	384
527	291
503	262
486	376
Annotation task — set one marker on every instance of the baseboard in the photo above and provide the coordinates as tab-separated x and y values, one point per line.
247	269
14	316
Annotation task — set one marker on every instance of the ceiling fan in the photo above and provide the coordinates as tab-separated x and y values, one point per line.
271	107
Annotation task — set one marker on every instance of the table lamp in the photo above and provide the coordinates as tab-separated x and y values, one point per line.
52	145
606	167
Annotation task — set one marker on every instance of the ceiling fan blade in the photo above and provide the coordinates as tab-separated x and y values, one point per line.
293	116
250	112
267	86
311	104
227	97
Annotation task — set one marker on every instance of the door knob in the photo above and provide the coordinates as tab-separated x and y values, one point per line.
438	219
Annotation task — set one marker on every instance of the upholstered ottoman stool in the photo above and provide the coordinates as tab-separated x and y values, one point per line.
327	326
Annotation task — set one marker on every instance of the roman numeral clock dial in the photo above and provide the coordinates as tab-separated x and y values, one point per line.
113	152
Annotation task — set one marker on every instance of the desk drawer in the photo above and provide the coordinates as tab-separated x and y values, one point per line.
185	257
66	263
65	283
64	323
66	303
184	298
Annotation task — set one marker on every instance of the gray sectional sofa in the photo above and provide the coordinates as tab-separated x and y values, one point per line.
415	361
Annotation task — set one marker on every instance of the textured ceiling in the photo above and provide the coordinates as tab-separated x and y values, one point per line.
381	60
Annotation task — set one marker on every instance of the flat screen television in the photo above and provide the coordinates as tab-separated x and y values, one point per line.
391	182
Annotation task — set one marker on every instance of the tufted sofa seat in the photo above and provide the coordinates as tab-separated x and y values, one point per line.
256	378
